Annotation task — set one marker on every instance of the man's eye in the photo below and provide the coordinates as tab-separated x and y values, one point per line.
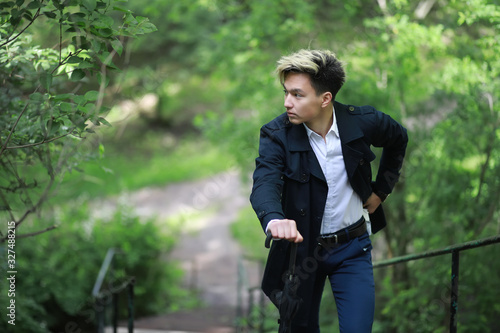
297	95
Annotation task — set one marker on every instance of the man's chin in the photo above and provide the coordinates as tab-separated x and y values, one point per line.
295	120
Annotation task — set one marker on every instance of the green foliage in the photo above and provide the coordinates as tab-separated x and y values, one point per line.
436	70
247	230
46	112
128	164
56	273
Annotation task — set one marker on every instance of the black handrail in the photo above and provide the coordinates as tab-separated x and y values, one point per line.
100	297
455	260
454	250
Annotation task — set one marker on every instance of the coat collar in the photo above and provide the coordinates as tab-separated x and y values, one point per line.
348	129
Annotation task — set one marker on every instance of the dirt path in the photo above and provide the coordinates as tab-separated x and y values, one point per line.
206	250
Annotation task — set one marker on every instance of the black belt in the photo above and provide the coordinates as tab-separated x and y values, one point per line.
344	235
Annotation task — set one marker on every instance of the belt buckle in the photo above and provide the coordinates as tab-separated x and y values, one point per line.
336	237
329	242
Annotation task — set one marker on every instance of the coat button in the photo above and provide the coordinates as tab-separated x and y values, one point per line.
361	162
351	108
302	212
303	177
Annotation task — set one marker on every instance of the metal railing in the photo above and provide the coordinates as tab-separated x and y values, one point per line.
247	319
101	297
455	264
454	250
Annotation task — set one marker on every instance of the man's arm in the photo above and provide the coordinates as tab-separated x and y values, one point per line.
267	188
393	138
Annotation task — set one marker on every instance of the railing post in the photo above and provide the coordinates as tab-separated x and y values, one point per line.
455	260
115	312
131	306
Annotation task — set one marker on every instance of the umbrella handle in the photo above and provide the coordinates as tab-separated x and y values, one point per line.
269	238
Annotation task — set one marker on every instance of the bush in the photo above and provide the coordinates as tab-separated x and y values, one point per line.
56	274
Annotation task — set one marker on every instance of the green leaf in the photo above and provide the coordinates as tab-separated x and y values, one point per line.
50	15
106	32
103	21
74	60
7	4
36	97
78	99
89	4
101	4
62	97
121	9
34	5
92	95
81	42
77	75
19	3
46	80
87	109
15	19
77	17
86	65
66	107
54	126
101	150
58	4
104	121
117	46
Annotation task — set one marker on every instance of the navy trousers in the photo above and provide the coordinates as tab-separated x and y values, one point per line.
350	273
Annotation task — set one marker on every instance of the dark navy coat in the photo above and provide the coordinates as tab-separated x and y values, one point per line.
289	182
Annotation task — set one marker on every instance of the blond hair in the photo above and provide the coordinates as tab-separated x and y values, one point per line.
324	69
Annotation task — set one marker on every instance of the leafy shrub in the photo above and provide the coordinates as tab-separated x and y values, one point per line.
56	273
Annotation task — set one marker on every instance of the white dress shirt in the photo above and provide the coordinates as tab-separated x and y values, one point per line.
343	206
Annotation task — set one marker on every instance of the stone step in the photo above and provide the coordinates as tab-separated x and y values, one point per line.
141	330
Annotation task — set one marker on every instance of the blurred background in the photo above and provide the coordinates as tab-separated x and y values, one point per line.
134	125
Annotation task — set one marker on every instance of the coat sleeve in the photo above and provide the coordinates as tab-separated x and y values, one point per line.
393	139
268	177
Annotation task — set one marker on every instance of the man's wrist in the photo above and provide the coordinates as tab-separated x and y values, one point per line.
383	196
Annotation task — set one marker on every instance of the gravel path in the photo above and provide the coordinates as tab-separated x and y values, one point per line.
206	250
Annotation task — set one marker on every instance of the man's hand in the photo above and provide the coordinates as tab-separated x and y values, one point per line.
285	229
372	203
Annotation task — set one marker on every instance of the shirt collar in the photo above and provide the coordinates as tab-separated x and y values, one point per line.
334	128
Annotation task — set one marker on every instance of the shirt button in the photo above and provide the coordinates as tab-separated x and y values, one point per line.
303	177
351	108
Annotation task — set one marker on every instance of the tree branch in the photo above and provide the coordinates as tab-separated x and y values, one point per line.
383	6
38	143
423	8
37	232
14	127
10	39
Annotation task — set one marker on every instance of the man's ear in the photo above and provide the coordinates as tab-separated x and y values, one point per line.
326	98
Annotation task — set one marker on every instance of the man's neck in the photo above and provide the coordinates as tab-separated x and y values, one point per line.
322	124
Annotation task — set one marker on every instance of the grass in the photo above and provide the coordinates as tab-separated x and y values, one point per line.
127	166
248	232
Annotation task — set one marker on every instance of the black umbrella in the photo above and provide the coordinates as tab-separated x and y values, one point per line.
286	300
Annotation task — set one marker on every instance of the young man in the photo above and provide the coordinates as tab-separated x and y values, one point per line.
313	185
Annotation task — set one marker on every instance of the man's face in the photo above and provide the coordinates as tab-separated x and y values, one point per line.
301	102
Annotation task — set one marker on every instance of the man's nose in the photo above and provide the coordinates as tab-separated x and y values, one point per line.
288	102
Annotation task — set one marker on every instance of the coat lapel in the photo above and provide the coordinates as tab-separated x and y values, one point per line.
299	142
349	131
